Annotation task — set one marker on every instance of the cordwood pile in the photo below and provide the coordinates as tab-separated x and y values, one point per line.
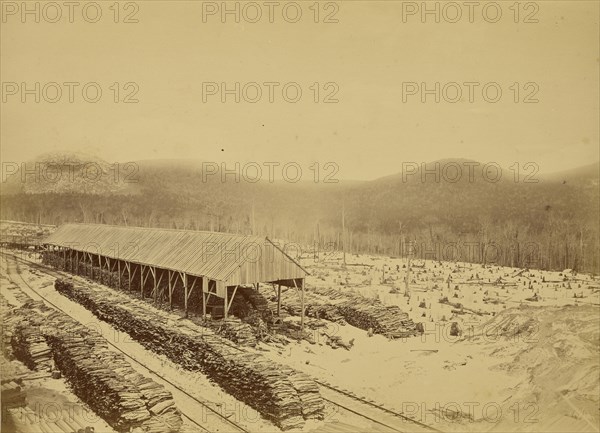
103	379
357	310
235	330
279	393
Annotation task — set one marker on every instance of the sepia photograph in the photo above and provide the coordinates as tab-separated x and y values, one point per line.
308	216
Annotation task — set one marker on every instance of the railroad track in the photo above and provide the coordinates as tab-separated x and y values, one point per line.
180	390
391	412
392	415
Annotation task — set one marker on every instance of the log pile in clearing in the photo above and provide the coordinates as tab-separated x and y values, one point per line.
100	377
279	393
357	310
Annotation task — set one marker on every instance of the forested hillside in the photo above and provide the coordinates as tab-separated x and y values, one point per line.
549	224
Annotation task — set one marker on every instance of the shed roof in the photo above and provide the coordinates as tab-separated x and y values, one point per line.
229	258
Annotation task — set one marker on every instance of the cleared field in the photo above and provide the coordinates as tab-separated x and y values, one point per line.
507	342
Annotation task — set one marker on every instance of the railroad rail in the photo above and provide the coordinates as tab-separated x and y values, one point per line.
367	402
180	390
412	424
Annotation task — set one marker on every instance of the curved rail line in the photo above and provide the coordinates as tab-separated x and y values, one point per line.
345	393
52	273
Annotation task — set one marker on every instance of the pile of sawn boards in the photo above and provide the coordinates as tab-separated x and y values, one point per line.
100	377
357	310
278	392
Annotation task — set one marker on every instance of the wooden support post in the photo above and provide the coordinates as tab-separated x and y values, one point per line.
155	290
231	301
204	290
278	300
302	307
185	294
142	281
170	291
301	304
161	291
225	304
119	271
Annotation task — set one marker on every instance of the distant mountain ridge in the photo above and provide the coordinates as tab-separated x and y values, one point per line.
437	205
80	171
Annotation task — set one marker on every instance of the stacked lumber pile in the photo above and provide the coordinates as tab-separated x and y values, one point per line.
365	313
357	310
308	390
258	302
259	326
390	321
103	276
109	385
29	345
235	330
100	377
250	377
7	328
52	258
326	311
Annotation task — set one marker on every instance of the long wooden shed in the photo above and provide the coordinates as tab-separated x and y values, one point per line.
208	261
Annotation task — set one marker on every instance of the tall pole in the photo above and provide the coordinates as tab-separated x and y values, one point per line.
318	241
406	288
278	300
204	290
344	230
253	220
302	307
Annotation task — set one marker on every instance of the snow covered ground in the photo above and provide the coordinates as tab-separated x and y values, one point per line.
517	365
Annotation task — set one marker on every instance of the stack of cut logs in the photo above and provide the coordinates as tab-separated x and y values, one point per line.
277	392
390	321
357	310
326	311
258	301
31	348
121	396
100	377
235	330
29	345
7	329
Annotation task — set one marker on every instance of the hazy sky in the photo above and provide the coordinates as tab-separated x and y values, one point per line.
369	53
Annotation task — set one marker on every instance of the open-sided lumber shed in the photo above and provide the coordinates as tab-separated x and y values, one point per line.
165	259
